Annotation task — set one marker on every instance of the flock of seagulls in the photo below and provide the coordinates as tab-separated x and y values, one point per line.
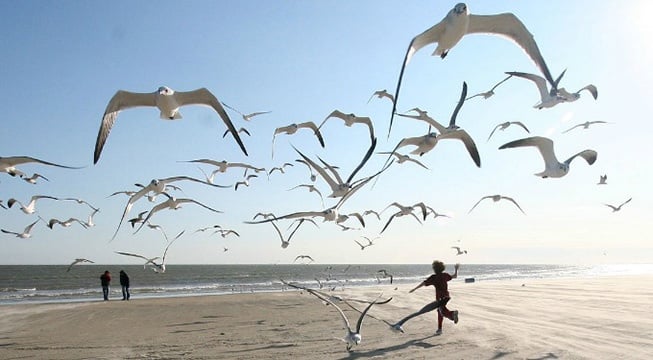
458	23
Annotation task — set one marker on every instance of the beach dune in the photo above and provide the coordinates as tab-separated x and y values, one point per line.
592	318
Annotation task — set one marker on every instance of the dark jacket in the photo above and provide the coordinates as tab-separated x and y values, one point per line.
105	279
124	279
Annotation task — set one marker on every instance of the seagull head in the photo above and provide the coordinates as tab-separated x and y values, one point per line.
460	9
164	90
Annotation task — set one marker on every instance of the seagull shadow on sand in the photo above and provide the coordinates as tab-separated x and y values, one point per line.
388	350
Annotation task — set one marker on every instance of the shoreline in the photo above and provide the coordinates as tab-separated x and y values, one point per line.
605	317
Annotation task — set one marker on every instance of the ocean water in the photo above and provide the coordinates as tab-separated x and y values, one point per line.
51	283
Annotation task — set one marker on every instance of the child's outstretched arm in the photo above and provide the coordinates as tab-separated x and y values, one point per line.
417	287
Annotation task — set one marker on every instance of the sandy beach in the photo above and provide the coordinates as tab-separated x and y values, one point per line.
593	318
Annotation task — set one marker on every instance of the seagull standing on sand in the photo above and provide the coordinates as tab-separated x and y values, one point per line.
490	92
458	23
77	261
8	164
167	101
496	198
585	125
617	208
553	167
505	125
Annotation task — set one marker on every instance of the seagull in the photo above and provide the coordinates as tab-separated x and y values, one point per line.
351	119
403	158
311	188
553	168
158	227
548	98
571	97
458	23
26	233
33	178
247	117
157	268
304	257
241	130
602	180
585	125
223	165
310	169
617	208
281	168
490	92
208	228
403	211
2	206
264	215
80	201
458	251
427	142
286	242
77	261
156	186
137	220
173	204
292	128
368	212
30	207
352	337
382	94
225	232
496	198
339	187
168	101
385	274
66	223
8	164
505	125
363	246
244	182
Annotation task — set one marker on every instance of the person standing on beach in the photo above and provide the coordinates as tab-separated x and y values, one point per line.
124	283
105	280
439	281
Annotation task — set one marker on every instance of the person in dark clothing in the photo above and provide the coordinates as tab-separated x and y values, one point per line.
105	280
124	283
439	281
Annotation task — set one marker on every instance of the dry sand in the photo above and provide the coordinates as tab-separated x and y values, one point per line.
594	318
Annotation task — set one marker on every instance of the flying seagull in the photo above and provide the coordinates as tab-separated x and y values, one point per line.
427	142
602	180
505	125
30	208
571	97
32	179
458	23
382	94
585	125
292	128
8	164
353	337
489	93
26	233
548	98
173	204
617	208
496	198
553	167
458	250
167	101
247	117
77	261
351	119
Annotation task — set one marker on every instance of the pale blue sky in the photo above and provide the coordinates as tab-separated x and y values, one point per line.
63	61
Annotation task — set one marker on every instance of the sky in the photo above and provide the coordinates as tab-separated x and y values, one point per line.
62	62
